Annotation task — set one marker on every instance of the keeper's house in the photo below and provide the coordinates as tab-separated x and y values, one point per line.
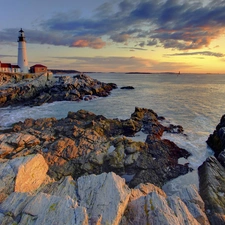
8	67
38	68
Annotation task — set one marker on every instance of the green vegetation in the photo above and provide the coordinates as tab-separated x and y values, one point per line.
53	207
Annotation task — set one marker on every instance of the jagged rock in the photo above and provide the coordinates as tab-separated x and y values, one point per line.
58	207
148	204
181	211
15	142
136	211
50	209
105	196
127	87
22	90
85	143
212	189
39	89
65	186
221	158
217	140
145	189
190	196
23	174
15	203
7	180
155	208
101	199
43	209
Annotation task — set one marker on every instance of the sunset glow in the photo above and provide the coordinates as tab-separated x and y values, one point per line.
117	36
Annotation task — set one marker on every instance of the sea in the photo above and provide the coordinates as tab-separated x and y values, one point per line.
194	101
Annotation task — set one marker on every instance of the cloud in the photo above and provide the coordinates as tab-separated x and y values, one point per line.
134	48
121	64
176	24
6	56
54	38
120	37
92	42
152	42
205	53
108	64
142	44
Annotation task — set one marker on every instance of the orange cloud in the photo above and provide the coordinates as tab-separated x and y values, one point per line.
91	42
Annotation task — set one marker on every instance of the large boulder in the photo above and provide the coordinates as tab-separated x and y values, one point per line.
23	174
217	140
212	189
195	204
105	196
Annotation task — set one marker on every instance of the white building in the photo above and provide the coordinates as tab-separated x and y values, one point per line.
22	53
8	67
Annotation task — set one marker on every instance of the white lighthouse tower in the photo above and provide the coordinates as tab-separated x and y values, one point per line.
22	53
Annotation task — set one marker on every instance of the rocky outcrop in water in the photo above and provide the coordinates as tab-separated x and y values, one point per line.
127	87
85	143
212	177
38	89
212	189
217	140
101	199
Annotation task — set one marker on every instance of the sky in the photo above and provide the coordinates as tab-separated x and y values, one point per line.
117	36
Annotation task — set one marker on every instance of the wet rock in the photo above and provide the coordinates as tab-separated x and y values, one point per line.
221	158
85	143
127	87
212	191
175	129
217	140
38	90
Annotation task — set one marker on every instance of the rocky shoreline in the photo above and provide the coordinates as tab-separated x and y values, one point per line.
34	90
49	164
86	169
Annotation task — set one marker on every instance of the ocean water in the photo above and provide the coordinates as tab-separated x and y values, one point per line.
194	101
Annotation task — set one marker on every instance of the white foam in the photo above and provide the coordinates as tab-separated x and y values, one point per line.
139	136
176	184
111	149
195	144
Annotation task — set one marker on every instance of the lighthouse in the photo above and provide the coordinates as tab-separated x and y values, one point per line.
22	53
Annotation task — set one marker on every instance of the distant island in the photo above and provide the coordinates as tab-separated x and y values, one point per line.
62	71
151	73
57	71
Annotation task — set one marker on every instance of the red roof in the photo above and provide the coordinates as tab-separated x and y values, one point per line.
8	65
15	66
38	65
